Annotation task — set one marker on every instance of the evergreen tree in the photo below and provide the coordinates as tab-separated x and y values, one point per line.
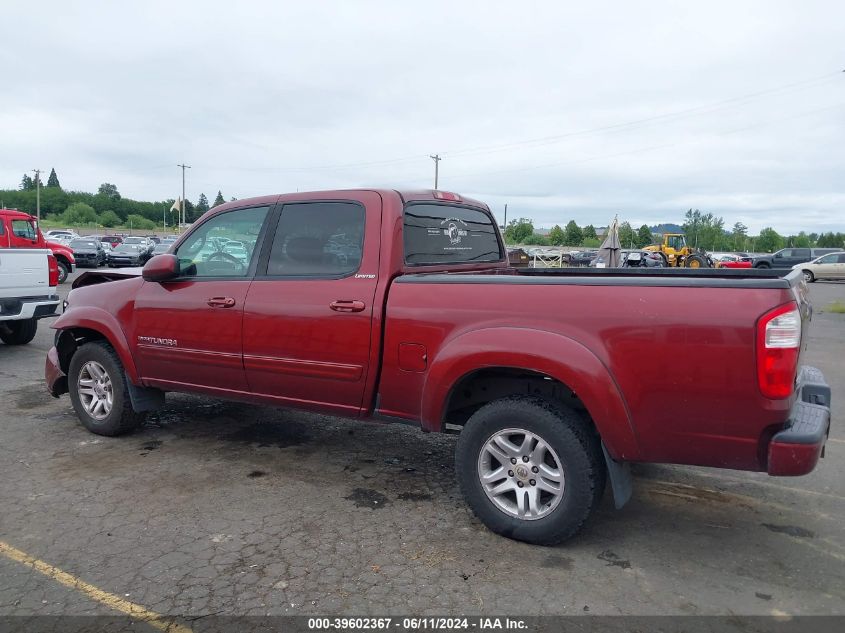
53	180
572	234
644	237
202	205
219	199
27	184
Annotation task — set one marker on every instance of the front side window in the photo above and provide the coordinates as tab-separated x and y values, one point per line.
677	242
24	229
204	252
323	239
448	234
828	259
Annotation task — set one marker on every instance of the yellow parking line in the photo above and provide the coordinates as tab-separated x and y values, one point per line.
110	600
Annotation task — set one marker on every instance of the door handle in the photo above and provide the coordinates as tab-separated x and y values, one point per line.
347	306
221	302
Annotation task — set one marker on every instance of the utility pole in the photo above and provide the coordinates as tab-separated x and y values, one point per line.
184	167
506	215
38	195
436	158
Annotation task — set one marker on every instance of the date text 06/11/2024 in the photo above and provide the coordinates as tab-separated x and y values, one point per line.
415	624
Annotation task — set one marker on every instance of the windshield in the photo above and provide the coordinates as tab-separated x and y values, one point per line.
83	244
134	240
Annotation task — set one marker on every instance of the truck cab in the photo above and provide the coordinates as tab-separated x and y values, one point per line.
21	230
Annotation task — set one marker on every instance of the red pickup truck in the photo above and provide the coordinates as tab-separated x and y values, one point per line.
20	230
401	306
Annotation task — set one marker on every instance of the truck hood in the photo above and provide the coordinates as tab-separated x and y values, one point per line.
93	277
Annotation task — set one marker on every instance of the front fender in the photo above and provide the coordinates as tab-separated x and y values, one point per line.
103	322
541	351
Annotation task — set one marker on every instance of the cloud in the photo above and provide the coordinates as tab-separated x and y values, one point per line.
564	112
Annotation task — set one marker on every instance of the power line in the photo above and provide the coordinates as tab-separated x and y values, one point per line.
547	140
649	148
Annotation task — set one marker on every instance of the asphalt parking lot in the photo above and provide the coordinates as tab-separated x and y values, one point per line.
221	508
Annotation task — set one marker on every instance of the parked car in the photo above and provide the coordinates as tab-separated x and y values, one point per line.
28	281
518	257
830	266
161	248
583	258
429	325
21	230
88	252
788	257
145	246
61	235
128	255
632	259
113	240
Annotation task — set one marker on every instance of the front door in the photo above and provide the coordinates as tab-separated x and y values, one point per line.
188	331
308	314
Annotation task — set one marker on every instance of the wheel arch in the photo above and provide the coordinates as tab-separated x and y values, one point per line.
85	324
534	355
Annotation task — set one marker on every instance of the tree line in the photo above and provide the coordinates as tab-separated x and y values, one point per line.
703	230
106	208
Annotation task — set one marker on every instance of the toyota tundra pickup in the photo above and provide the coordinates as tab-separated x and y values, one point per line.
401	306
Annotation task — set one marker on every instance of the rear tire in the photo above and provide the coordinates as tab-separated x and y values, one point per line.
568	475
96	375
18	332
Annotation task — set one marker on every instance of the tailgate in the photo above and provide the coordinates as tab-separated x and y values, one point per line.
24	272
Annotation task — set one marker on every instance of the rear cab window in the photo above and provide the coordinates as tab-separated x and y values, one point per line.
449	234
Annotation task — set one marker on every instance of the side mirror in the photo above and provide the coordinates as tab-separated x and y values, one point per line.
161	268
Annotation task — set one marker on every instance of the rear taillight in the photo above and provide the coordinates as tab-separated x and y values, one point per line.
53	266
778	346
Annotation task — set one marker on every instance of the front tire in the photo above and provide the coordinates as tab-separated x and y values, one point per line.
64	271
530	470
18	332
809	277
99	391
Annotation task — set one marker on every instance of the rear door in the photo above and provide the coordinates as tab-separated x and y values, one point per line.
188	331
308	315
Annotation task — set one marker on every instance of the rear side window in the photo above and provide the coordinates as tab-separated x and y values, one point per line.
446	234
801	252
319	239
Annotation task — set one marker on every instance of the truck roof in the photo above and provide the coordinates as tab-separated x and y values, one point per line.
15	213
407	195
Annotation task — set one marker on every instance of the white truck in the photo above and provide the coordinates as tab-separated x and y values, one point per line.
28	281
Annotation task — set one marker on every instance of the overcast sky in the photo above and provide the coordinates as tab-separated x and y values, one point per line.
638	108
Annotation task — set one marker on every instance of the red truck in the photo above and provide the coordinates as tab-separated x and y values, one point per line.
21	230
401	306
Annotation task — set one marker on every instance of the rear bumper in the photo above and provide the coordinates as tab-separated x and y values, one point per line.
796	449
39	308
53	374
